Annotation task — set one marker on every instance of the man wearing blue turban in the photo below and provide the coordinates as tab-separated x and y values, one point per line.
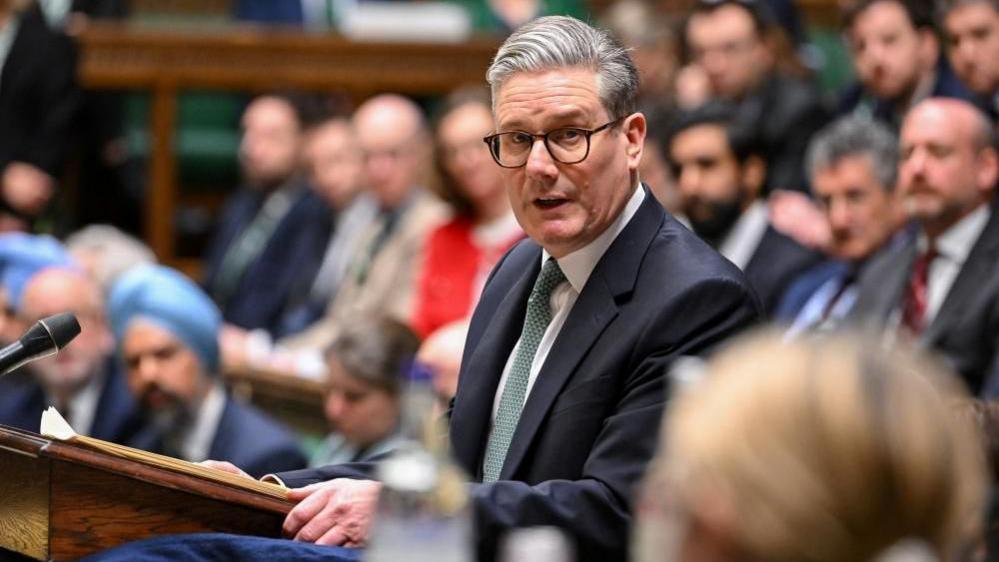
167	332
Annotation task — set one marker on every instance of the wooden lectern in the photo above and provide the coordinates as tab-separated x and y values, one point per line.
61	501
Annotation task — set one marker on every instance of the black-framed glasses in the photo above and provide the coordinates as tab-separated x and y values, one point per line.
568	145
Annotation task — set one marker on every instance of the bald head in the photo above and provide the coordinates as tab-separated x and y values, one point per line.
948	164
391	132
56	290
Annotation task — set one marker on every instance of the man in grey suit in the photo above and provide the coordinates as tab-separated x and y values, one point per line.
942	288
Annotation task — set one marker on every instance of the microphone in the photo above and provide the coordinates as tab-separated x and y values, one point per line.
45	338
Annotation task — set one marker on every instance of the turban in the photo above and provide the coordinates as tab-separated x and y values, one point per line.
171	301
22	256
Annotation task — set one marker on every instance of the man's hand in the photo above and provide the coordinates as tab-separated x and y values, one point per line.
26	188
338	512
225	466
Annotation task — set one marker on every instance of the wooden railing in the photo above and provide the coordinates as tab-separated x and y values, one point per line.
254	59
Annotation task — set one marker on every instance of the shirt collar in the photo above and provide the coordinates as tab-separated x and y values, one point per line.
956	242
577	266
740	243
198	442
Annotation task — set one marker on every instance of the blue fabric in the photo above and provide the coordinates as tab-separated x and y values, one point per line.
804	287
171	300
22	256
212	547
254	442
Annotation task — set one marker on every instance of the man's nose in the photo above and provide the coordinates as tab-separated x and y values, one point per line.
540	163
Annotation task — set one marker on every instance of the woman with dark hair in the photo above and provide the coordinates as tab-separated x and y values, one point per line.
365	364
460	253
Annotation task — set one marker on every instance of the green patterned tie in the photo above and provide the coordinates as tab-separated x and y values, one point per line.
539	315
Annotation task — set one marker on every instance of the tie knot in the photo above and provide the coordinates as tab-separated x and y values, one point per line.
550	277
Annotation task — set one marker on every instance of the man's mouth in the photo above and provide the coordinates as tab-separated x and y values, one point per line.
550	202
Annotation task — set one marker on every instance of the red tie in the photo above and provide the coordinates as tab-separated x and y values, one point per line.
916	296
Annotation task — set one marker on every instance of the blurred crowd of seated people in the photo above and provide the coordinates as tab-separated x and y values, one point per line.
358	241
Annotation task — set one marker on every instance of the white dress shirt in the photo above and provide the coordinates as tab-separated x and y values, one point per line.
741	242
83	404
577	268
953	247
197	442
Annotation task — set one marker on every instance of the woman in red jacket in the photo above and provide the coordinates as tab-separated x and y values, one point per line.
460	253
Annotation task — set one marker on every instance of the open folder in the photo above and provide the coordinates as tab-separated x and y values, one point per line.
64	496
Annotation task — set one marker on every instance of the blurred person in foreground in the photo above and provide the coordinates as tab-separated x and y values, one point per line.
971	29
941	288
824	449
167	334
272	230
853	164
604	296
898	60
83	380
719	172
726	42
366	364
460	253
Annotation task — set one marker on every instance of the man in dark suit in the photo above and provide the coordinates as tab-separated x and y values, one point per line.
38	98
853	164
719	173
726	41
971	28
82	381
167	330
273	230
564	374
898	60
942	288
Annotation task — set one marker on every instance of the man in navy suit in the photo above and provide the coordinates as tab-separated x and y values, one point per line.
972	31
558	400
167	330
719	172
630	291
898	60
853	164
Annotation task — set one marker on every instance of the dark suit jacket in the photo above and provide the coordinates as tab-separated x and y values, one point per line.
295	250
965	330
38	97
245	437
777	261
804	286
947	85
589	425
784	113
116	419
254	442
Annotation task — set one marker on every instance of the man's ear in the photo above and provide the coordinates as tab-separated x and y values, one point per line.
634	131
987	171
754	174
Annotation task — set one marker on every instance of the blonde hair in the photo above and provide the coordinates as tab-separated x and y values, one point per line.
825	450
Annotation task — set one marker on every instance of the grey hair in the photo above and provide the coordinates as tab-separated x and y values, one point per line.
553	42
115	251
855	136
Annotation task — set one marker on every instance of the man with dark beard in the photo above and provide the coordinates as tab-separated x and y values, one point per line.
720	174
167	331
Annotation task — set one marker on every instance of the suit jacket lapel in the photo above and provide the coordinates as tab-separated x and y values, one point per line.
614	276
980	261
485	367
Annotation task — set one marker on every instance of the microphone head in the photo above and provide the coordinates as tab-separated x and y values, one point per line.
63	327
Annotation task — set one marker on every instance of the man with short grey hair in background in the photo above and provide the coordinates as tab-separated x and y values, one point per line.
852	166
563	378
